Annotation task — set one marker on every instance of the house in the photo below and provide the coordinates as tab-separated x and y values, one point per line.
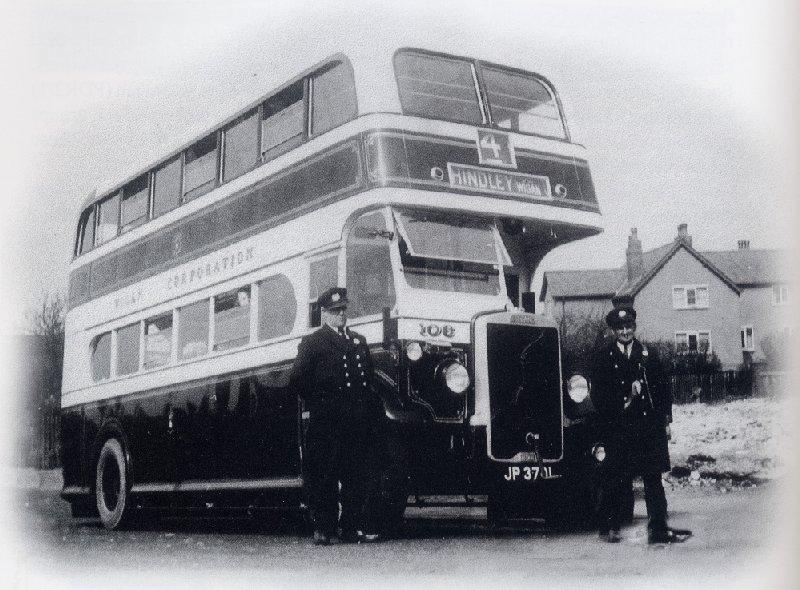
731	302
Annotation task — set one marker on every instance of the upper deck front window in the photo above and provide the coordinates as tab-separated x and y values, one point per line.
476	93
522	103
438	87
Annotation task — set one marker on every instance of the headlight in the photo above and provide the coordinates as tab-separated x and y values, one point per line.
578	388
413	351
599	453
456	377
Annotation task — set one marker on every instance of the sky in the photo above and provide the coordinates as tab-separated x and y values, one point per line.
687	108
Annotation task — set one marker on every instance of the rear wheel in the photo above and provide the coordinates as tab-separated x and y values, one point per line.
111	485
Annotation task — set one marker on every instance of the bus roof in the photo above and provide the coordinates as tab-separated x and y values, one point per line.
375	85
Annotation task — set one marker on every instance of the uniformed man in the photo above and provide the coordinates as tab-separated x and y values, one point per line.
333	375
635	408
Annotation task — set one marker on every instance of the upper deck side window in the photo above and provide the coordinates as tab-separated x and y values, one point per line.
283	119
135	204
438	87
107	219
309	106
200	167
85	231
333	98
241	146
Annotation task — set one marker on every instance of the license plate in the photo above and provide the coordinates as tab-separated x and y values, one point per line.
528	473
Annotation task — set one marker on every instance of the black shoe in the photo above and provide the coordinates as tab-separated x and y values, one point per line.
614	536
603	535
668	536
350	536
370	538
321	538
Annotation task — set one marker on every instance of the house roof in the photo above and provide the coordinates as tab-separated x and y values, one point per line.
750	267
658	259
582	283
735	268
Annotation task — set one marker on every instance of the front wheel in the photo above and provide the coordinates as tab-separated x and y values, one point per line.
111	485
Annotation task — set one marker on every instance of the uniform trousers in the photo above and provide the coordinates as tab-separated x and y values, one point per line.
616	484
340	450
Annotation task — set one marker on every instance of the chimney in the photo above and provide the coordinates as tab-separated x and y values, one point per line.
633	256
744	244
683	234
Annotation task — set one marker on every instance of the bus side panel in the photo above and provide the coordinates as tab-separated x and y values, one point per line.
274	442
72	447
145	423
196	427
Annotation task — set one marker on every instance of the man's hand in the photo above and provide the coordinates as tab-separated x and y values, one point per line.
668	431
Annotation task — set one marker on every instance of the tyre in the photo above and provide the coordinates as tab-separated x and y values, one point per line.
111	485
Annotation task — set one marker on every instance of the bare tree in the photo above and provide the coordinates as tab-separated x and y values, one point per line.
41	395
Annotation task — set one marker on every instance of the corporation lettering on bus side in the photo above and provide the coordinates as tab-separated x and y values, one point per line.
210	269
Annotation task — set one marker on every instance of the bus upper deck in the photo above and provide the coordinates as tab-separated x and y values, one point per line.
435	122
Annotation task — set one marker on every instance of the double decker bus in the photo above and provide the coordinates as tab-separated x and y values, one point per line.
430	186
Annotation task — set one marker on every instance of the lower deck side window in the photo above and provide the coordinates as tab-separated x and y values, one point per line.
277	307
101	357
193	330
232	318
128	349
158	341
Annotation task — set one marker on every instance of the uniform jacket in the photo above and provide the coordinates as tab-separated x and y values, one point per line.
634	436
334	369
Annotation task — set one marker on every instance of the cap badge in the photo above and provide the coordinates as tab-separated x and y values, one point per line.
335	297
622	313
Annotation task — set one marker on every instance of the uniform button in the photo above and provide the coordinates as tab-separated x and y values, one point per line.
358	356
359	364
345	357
364	384
348	385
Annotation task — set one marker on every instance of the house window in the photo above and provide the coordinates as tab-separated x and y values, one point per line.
690	296
747	338
780	294
691	342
